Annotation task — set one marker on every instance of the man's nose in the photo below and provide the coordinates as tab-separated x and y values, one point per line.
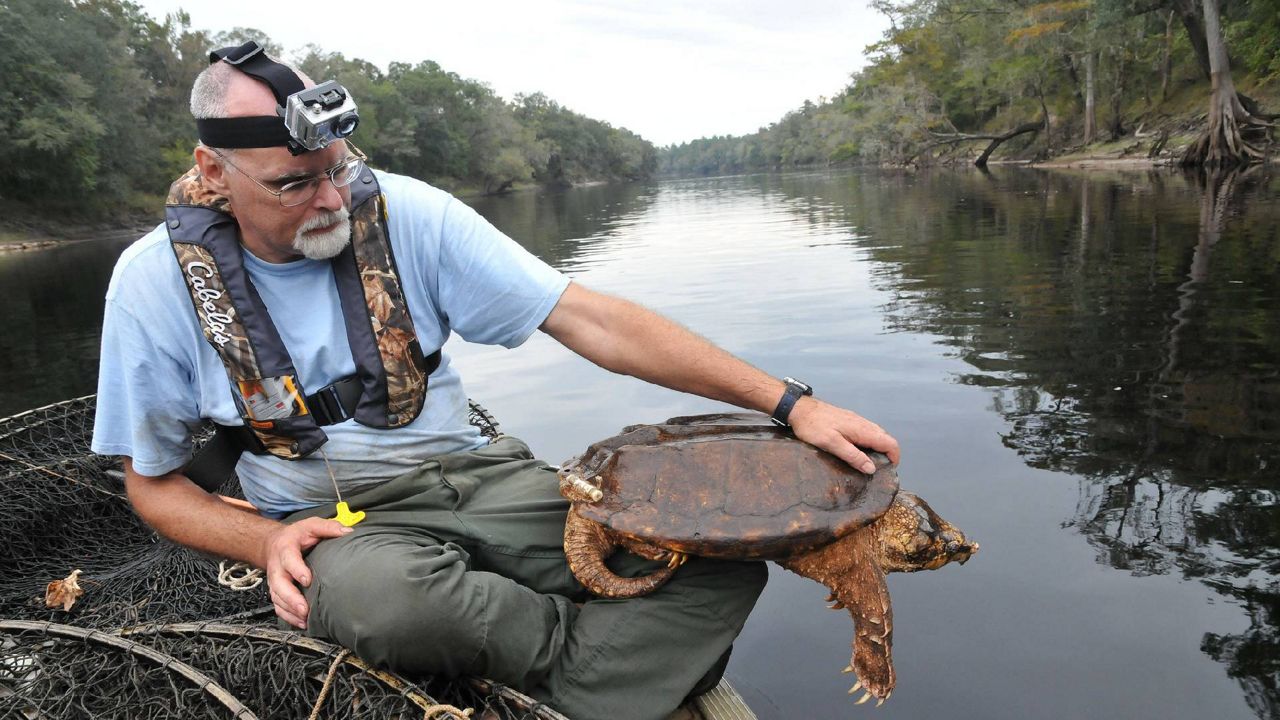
329	197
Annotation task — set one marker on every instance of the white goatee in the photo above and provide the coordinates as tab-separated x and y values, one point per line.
322	246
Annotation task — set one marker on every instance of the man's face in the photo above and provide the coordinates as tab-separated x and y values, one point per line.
316	228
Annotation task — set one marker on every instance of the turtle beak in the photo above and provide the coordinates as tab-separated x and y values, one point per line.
961	551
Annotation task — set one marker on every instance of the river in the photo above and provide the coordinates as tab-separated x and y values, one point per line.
1083	370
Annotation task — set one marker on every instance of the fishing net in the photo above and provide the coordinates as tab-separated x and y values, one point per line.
51	671
66	511
282	674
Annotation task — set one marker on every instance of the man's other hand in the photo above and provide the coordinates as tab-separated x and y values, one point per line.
286	569
841	432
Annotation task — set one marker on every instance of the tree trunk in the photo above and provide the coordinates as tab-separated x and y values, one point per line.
995	142
1089	97
1044	113
1166	62
1221	144
1190	17
1069	65
1117	95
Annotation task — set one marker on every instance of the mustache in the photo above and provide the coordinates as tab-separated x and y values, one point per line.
325	219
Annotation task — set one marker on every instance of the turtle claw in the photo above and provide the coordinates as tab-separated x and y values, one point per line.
677	559
847	669
881	701
865	697
837	605
856	687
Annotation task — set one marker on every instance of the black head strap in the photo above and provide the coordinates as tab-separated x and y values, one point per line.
243	132
252	60
258	131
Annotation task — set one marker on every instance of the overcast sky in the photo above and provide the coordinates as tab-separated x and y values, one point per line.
670	70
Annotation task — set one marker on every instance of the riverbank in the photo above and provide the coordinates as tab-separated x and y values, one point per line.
23	227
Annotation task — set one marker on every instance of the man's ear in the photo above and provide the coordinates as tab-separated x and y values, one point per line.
213	172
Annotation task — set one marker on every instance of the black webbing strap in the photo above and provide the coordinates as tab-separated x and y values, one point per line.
252	60
215	463
259	131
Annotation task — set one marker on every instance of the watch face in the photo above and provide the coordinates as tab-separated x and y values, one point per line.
802	387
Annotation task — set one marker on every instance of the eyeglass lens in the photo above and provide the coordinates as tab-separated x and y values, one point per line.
301	191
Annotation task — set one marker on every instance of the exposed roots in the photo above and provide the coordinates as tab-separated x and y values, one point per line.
1223	143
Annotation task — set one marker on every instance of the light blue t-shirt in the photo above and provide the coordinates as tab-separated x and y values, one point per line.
159	378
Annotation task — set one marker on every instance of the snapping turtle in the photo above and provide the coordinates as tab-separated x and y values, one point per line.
735	486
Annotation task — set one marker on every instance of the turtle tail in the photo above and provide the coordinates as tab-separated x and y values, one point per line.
587	545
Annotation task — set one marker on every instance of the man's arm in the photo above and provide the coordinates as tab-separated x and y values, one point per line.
623	337
181	511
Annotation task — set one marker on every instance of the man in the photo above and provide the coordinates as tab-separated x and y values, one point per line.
457	566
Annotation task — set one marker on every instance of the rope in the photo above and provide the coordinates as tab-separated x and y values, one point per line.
40	468
437	709
240	576
328	683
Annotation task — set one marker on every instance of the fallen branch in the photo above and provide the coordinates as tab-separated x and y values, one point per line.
995	140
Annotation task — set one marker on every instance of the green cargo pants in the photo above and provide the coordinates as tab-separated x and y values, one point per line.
459	568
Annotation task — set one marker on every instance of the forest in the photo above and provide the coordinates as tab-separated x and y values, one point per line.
1191	81
94	114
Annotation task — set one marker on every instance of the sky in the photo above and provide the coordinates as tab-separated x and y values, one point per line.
669	70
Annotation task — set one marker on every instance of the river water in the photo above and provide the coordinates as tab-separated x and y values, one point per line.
1083	371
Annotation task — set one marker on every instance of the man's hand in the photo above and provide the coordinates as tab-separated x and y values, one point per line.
840	432
283	550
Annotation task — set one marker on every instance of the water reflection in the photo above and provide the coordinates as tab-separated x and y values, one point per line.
51	313
1126	326
562	226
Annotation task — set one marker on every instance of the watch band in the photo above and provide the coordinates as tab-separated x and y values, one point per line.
795	390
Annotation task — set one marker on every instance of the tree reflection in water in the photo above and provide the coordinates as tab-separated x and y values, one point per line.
1182	484
1127	328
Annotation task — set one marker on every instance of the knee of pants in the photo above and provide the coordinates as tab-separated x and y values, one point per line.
751	577
392	617
733	586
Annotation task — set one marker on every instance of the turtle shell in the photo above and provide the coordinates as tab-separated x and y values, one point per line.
728	485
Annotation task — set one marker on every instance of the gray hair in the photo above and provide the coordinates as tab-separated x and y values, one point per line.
209	92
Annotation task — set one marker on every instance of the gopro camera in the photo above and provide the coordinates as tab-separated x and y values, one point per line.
318	116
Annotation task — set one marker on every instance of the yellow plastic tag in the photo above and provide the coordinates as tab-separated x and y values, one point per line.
346	517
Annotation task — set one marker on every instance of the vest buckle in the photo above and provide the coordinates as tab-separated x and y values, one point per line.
336	402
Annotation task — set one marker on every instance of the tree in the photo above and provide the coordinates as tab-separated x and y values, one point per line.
1223	142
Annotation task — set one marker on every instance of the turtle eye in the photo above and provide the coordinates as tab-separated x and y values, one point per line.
926	522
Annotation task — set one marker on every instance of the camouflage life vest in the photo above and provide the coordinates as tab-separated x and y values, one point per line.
389	387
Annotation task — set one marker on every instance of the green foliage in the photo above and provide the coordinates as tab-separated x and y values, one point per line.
1254	38
987	66
94	96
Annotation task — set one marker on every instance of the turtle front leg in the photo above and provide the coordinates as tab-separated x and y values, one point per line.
849	569
649	551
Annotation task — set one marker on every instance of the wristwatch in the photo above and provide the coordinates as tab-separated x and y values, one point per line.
795	390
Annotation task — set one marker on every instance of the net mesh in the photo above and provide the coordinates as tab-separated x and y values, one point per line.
66	510
239	656
58	671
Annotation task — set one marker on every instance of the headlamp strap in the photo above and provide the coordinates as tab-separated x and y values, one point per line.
243	132
252	60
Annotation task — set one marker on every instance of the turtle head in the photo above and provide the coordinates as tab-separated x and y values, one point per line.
914	537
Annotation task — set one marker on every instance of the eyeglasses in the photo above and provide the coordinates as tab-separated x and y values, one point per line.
297	192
